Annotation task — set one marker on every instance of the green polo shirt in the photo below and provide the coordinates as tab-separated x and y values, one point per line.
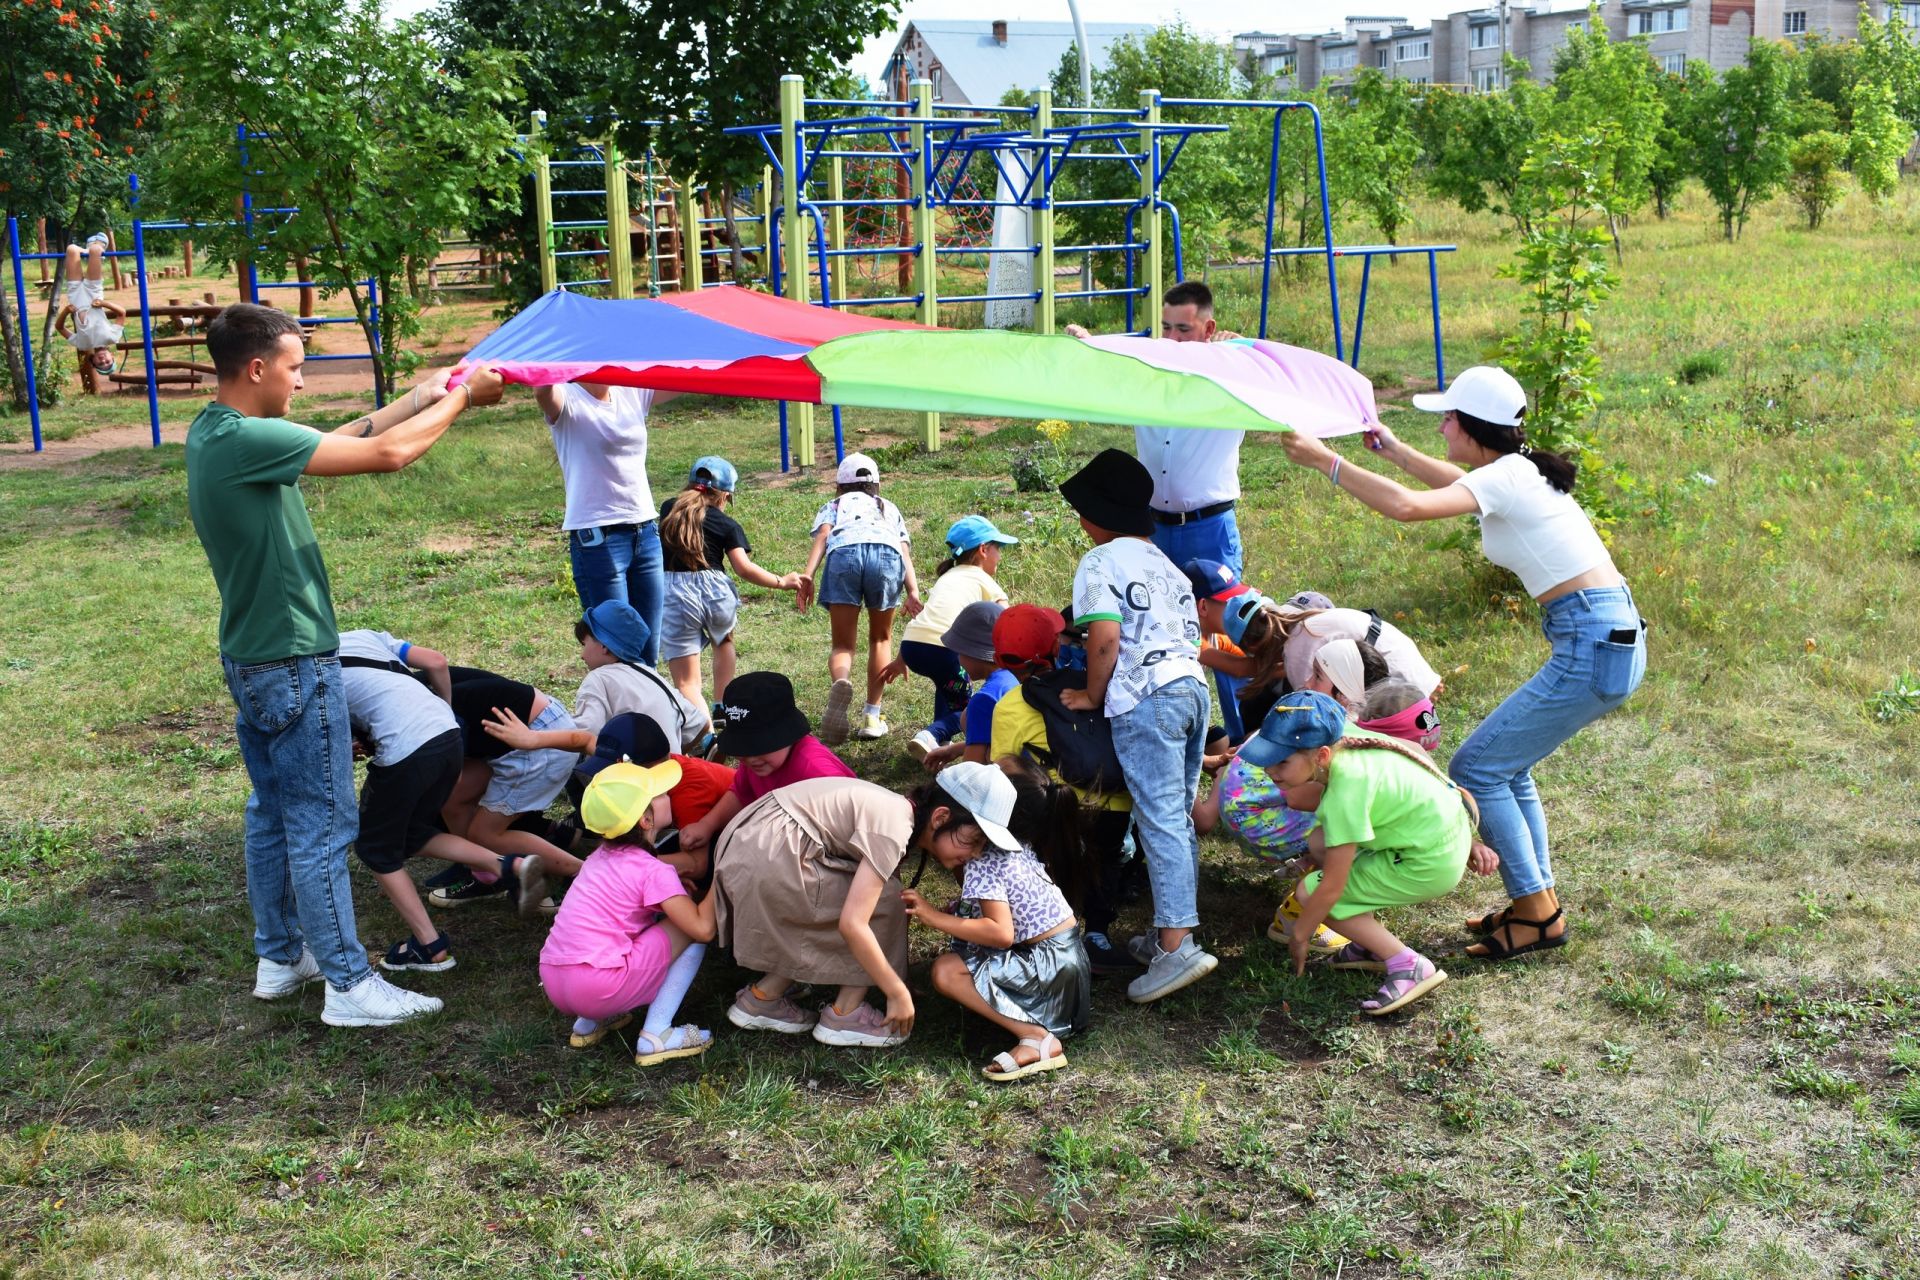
243	492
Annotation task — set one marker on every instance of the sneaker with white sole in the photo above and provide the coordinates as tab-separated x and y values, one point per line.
272	980
750	1012
1141	947
375	1002
531	885
865	1028
921	745
873	726
464	890
837	720
1169	971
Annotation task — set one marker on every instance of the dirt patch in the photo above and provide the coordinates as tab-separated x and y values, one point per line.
448	544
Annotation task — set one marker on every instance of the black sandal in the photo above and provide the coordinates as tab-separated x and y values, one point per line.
412	954
1498	950
1492	921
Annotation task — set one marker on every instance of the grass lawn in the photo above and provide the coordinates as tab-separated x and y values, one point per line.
1719	1077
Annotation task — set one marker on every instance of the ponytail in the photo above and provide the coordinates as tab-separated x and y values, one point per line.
1265	641
957	558
1557	469
682	529
1046	818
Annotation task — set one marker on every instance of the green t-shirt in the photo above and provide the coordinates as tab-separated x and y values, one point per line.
243	491
1377	800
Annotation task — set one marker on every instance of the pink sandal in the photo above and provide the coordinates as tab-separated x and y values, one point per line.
1403	988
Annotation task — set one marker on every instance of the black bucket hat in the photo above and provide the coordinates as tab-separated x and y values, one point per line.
1115	491
759	715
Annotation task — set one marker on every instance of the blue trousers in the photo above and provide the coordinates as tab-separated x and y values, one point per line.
1214	538
622	562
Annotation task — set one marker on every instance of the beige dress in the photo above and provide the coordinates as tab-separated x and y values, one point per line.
782	870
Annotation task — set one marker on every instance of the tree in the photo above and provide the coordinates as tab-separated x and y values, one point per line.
1890	56
1738	132
1610	91
73	115
1477	145
1380	150
1814	181
1667	172
1878	140
377	142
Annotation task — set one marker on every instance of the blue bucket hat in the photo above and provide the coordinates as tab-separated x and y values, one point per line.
1239	612
969	532
713	472
619	626
1300	721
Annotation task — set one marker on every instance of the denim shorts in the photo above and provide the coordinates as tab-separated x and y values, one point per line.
699	611
868	574
529	781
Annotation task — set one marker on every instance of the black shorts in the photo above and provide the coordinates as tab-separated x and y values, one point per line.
400	805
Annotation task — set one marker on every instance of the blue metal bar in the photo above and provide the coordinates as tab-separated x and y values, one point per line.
839	438
1095	204
582	224
1130	246
373	327
569	285
885	250
26	337
1030	296
362	356
1367	250
54	257
786	457
1101	293
308	322
1360	312
146	313
1433	294
912	299
855	102
1326	223
947	250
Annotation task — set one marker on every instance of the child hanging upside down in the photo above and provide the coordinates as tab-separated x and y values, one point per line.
96	328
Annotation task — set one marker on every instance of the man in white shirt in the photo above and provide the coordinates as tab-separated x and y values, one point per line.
1196	473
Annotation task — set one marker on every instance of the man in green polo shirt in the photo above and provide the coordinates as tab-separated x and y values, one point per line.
278	641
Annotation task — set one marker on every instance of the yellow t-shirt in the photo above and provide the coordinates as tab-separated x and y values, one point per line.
954	590
1017	723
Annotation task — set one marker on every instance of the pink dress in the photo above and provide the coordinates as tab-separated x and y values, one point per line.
608	952
810	758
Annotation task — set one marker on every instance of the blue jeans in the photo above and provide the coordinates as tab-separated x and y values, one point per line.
1586	676
622	562
939	665
302	815
1214	538
1160	743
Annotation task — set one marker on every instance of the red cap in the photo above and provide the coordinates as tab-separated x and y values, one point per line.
1027	633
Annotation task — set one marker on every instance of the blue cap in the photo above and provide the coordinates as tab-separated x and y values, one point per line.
969	532
715	473
1239	612
1213	580
619	626
1300	721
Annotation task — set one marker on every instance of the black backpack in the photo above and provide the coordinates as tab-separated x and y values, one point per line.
1079	743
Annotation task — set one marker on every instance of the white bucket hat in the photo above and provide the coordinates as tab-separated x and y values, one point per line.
1485	391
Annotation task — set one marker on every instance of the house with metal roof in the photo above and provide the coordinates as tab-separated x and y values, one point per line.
977	62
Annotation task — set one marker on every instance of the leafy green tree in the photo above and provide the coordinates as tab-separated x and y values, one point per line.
376	140
1814	179
1610	91
1477	144
1380	149
1667	171
1878	140
1739	132
1827	70
1890	56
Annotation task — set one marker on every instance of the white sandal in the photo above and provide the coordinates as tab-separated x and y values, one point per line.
1005	1066
690	1047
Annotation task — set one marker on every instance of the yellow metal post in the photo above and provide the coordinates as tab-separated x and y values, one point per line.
619	224
692	269
837	229
926	274
543	202
1042	203
793	239
1150	212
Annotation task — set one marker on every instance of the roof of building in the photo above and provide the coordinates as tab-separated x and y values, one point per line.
983	69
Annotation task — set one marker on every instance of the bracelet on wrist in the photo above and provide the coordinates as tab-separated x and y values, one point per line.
1333	475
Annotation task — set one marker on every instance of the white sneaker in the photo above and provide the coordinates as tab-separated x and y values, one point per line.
922	745
1170	971
272	980
872	726
375	1002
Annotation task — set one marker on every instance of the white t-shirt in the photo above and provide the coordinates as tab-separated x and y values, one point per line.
1529	526
1402	654
1131	581
1192	467
396	713
602	448
859	517
954	590
91	328
618	688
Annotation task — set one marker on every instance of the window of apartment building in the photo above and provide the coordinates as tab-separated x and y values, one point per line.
1796	24
1380	58
1655	21
1486	79
1408	50
1573	27
1486	36
1340	60
1283	65
1674	64
1910	15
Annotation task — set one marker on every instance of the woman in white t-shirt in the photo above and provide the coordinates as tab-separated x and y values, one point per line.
612	527
1529	523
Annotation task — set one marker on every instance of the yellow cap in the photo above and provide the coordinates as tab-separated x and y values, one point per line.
620	793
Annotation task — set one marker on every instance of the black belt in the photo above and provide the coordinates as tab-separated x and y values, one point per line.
1188	517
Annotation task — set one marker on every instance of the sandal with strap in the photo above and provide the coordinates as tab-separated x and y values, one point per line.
1355	956
412	954
1005	1066
689	1047
1499	949
1490	922
588	1039
1402	989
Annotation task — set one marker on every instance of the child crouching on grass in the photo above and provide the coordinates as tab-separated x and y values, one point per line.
1017	958
1392	832
627	934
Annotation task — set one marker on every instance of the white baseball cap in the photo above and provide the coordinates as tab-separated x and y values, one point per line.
988	796
856	467
1485	391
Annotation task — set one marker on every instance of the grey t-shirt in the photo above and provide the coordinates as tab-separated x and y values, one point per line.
616	688
396	713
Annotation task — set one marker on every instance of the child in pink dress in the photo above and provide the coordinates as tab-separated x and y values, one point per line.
627	934
761	726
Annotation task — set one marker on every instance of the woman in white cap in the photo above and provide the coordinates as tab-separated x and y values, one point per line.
807	889
1530	524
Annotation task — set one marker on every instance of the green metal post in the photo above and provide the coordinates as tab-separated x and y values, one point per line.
692	270
619	224
837	228
793	239
1149	192
765	212
926	274
543	202
1043	212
